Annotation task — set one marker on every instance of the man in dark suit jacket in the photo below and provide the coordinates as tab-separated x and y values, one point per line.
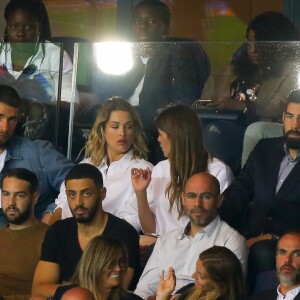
264	200
288	269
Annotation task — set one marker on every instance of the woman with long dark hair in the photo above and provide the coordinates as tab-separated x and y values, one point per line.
157	206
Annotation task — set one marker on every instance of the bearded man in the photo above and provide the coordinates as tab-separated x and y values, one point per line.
263	202
288	269
66	239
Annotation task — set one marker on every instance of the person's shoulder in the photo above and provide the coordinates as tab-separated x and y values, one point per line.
229	232
119	224
63	226
270	142
51	48
42	227
141	163
163	165
172	235
266	295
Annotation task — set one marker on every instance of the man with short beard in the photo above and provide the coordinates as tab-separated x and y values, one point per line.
22	238
263	202
180	248
66	239
288	269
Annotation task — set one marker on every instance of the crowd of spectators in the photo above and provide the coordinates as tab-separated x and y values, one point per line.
158	207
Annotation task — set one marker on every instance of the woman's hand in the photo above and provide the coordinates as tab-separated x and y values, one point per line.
140	179
166	286
227	103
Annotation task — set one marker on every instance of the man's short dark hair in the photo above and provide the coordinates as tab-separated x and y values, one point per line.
9	96
82	171
293	97
23	174
162	9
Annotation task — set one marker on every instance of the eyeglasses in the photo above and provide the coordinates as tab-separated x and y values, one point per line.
122	263
204	196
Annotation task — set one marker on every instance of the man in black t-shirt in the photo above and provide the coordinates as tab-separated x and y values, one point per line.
66	239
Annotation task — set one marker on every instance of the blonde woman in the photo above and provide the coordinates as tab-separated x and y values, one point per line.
157	206
115	145
218	276
101	271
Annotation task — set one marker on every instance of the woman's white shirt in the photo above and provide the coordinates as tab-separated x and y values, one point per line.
159	202
116	179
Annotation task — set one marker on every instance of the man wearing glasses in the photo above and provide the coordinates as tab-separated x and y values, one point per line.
180	248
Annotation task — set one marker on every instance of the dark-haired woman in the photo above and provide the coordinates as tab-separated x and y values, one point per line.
258	81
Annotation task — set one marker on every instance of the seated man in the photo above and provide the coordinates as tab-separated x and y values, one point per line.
21	240
288	269
267	191
66	239
40	157
180	248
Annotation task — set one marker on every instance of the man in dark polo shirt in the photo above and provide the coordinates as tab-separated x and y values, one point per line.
66	239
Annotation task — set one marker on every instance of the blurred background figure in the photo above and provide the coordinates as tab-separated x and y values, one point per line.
164	69
31	64
257	82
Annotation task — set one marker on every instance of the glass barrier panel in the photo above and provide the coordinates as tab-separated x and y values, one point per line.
42	75
255	79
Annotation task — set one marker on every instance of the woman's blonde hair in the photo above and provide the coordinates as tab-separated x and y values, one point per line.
100	254
187	155
95	147
225	271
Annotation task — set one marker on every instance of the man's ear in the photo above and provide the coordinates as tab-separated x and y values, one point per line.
35	198
102	193
220	200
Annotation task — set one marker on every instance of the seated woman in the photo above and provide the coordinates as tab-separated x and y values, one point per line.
157	206
257	82
27	58
31	64
101	270
116	144
218	276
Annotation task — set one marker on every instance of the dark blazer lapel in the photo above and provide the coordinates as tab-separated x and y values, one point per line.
274	155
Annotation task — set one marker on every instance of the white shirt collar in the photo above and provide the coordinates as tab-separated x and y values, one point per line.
208	230
290	295
122	163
